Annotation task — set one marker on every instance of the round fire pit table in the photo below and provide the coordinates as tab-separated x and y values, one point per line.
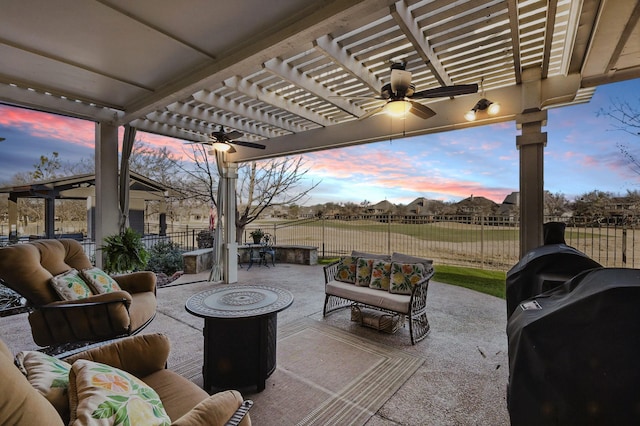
240	333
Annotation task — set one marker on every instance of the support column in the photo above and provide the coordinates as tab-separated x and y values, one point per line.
531	145
163	217
230	251
13	218
107	211
50	216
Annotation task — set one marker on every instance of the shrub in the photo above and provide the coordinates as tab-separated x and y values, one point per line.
165	257
124	252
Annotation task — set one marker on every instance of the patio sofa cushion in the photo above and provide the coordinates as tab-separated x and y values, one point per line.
104	395
363	272
99	281
405	258
70	286
382	299
23	405
347	269
355	253
48	375
404	276
380	275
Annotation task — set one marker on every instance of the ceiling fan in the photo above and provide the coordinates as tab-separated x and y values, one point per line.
399	95
222	141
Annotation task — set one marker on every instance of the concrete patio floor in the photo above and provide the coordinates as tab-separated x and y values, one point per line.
462	380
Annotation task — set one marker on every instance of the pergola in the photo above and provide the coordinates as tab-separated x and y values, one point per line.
275	71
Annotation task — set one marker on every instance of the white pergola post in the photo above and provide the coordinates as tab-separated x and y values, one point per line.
107	212
531	145
230	251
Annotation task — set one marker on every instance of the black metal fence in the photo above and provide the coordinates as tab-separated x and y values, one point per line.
475	241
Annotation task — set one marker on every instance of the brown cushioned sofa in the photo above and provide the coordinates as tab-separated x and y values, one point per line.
22	401
29	268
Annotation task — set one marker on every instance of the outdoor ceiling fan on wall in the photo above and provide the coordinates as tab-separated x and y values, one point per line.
222	141
399	95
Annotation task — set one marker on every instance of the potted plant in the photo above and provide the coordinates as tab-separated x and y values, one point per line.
257	235
124	252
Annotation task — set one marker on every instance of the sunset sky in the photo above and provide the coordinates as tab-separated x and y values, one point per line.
582	155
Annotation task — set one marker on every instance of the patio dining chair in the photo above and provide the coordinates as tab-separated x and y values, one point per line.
267	249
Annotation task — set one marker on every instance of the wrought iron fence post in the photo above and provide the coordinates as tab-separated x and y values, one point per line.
624	245
482	241
323	226
389	233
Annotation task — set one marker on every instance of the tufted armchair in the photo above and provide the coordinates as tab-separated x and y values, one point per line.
29	269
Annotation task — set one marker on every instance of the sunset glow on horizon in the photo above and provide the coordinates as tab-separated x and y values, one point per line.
582	155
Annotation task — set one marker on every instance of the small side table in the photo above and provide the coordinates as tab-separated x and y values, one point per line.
240	333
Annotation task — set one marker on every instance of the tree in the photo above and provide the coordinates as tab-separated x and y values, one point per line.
626	117
555	204
592	205
262	184
46	168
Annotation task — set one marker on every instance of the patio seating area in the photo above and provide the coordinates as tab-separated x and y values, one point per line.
457	375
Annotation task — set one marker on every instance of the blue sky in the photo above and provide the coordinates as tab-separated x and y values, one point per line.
582	155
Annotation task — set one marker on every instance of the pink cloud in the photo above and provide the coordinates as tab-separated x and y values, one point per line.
50	126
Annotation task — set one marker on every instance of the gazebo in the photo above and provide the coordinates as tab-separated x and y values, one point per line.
299	76
83	187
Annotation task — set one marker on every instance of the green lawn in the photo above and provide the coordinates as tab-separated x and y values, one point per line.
482	280
489	282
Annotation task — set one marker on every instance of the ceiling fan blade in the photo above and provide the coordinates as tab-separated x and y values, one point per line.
400	81
371	112
248	144
231	150
357	97
445	91
421	111
233	135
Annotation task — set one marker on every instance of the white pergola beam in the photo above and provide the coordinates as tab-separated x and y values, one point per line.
261	48
58	105
149	126
257	92
409	27
216	119
293	76
514	25
221	102
339	55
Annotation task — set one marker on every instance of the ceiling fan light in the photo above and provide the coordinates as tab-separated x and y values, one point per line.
494	108
220	146
398	109
470	115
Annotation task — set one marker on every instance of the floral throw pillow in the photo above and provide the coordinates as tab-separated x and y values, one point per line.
380	275
103	395
70	286
346	271
49	376
404	276
363	272
99	281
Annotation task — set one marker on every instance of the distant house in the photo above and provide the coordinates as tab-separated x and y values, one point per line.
420	207
475	205
510	206
383	207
